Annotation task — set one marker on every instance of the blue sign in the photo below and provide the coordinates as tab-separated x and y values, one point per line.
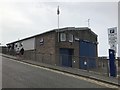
112	65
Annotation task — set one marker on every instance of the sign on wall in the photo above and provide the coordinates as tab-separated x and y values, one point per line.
41	41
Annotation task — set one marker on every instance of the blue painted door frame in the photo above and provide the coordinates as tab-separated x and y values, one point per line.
87	54
66	57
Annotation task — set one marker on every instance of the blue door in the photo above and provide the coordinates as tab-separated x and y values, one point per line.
83	54
87	54
66	57
92	55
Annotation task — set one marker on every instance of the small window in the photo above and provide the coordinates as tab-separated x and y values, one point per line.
70	38
62	37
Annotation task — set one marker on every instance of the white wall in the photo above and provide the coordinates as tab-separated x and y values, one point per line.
29	44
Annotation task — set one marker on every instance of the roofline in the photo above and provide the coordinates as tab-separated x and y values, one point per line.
78	28
56	30
30	37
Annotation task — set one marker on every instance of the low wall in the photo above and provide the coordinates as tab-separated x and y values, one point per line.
29	55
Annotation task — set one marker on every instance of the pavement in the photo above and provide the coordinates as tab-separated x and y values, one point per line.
74	71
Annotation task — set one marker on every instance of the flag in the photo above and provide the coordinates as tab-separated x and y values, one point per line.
58	12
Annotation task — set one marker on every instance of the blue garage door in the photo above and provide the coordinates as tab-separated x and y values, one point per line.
87	55
66	57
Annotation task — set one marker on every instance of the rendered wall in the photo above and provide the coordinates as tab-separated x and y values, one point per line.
29	44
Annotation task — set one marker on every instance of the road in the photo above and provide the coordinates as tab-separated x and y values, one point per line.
20	75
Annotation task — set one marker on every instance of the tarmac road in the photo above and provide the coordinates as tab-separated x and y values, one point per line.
20	75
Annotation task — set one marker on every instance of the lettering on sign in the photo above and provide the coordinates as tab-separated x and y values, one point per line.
112	38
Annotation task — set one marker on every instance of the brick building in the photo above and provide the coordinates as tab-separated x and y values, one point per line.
60	48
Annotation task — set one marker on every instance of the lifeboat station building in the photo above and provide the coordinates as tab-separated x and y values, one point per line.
68	47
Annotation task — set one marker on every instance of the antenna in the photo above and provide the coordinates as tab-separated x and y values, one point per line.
88	22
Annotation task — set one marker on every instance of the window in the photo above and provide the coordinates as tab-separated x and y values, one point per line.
62	37
70	38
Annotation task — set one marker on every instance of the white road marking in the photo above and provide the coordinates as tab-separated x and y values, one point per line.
70	75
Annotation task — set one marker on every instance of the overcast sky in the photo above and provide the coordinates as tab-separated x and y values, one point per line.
24	18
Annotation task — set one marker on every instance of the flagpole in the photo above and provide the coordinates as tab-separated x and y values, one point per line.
58	12
58	28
